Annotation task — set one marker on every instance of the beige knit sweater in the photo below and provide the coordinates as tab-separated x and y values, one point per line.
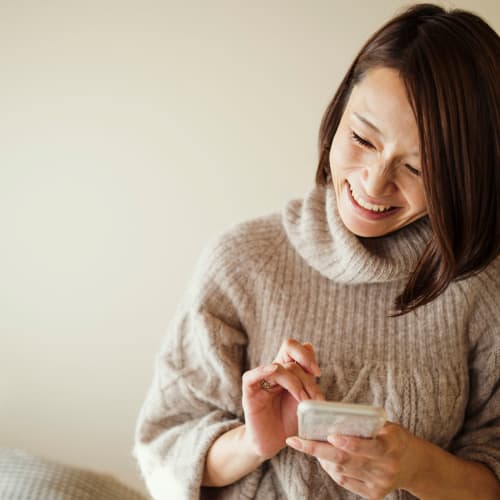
302	274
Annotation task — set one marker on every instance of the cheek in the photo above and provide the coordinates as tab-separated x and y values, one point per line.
342	154
416	196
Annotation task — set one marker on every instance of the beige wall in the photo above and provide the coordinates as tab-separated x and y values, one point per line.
130	133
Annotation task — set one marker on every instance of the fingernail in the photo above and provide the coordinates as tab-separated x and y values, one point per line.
294	443
317	370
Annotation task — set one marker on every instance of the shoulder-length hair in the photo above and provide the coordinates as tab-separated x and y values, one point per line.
449	62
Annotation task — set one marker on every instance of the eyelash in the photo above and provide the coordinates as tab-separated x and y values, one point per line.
362	141
369	145
413	170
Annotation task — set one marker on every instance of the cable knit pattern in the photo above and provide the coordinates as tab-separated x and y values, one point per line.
302	274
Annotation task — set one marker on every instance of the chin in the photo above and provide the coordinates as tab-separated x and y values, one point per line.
368	229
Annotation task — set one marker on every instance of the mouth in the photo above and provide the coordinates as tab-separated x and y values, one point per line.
369	209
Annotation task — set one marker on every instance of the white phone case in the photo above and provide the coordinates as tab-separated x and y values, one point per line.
319	419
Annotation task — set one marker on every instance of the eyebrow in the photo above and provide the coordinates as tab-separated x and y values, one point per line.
369	123
375	129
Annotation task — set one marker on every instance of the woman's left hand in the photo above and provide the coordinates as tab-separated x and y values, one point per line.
371	468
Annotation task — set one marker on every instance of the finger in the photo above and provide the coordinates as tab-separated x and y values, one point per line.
334	460
292	350
318	449
340	475
312	389
355	486
360	468
274	374
289	380
367	447
252	378
310	347
277	375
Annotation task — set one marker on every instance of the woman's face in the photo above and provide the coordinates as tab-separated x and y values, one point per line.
375	158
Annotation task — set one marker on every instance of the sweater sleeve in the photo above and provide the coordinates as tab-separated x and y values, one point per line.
196	391
479	439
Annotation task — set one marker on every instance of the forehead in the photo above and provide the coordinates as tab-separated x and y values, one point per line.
381	98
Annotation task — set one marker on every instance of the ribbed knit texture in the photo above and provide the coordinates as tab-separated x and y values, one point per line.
302	274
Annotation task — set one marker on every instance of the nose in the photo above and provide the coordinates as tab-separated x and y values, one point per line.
377	180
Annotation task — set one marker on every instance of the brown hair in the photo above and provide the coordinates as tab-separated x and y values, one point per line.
449	62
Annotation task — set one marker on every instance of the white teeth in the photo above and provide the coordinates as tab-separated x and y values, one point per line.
365	204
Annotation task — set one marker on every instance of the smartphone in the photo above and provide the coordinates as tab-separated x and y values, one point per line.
319	419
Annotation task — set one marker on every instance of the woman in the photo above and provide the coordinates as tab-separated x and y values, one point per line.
382	282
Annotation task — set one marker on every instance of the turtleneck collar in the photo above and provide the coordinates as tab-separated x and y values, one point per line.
316	231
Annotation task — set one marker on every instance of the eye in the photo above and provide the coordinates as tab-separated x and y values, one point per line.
362	141
413	170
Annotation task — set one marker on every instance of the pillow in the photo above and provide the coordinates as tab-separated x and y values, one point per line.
26	477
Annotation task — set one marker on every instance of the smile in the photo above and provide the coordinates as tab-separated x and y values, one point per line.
366	205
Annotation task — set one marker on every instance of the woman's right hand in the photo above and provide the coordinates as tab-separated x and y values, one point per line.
271	412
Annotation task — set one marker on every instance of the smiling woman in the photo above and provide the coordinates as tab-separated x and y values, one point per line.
382	281
418	96
377	190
